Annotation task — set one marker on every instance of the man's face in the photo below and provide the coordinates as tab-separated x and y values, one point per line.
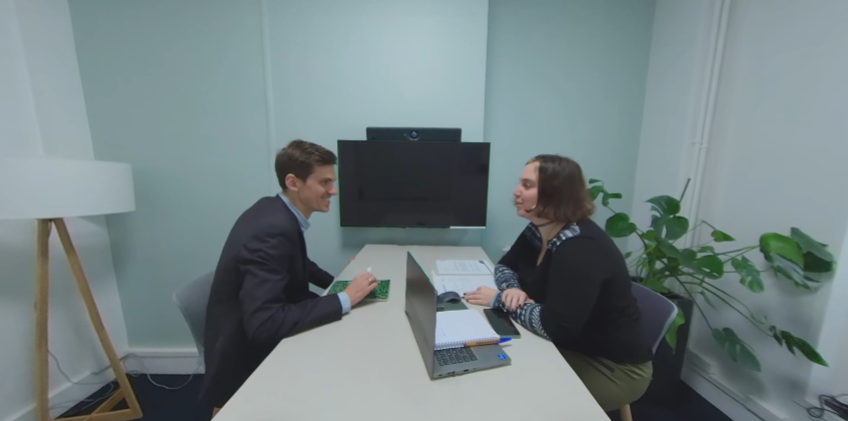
319	187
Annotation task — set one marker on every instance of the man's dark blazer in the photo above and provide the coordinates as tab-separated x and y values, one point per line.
260	295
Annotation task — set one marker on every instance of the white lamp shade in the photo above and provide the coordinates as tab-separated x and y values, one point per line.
45	188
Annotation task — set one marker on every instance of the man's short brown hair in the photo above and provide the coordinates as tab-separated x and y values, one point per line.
563	195
300	158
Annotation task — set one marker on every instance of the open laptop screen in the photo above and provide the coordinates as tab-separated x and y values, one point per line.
421	310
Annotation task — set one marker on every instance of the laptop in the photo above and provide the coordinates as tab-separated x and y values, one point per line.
421	312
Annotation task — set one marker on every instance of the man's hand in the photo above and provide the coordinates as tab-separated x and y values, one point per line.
482	296
360	286
514	298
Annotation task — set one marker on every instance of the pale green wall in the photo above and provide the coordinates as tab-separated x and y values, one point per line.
339	66
178	90
564	77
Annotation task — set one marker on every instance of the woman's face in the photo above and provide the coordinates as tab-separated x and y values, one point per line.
526	194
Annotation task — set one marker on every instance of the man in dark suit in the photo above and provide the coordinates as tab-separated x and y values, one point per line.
260	294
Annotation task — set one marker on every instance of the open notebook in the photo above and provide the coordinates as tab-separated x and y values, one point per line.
456	328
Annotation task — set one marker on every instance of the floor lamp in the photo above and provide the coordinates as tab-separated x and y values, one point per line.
47	191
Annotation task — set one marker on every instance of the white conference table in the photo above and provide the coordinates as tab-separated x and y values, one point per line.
367	366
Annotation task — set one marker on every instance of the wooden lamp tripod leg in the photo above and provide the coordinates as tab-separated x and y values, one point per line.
125	391
41	310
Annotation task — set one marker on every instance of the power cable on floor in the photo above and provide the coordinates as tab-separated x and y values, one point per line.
112	388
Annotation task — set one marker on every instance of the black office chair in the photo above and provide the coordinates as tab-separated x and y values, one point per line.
658	313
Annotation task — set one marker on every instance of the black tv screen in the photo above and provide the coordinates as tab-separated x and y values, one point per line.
413	184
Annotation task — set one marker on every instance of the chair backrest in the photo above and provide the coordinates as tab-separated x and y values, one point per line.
657	311
192	299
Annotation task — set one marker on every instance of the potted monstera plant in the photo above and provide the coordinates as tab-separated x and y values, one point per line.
685	274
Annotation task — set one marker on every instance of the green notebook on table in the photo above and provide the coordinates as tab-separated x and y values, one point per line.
381	292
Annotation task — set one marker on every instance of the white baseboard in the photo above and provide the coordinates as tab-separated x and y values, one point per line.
184	361
718	395
66	396
699	374
164	361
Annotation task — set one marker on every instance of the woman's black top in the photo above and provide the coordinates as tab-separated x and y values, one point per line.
581	289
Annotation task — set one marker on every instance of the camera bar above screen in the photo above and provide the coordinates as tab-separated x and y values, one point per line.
437	134
413	184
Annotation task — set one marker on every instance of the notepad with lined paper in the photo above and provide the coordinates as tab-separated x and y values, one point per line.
456	328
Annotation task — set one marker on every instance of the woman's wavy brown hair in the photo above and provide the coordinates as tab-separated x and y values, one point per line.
563	194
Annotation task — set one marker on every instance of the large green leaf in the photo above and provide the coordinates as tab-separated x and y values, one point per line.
785	256
655	283
772	243
710	265
787	269
809	245
688	258
671	269
619	226
676	227
668	248
649	236
749	275
806	349
815	264
665	205
671	333
817	258
688	255
595	191
737	349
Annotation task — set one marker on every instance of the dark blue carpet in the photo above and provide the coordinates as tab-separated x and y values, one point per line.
181	405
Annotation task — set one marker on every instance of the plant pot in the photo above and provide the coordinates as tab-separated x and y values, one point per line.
666	387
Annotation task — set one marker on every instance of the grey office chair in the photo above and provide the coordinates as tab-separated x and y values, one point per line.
658	313
191	299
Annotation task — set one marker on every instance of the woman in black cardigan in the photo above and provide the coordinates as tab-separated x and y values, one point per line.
575	290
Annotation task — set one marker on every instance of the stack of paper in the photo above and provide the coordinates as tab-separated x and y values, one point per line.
463	276
464	267
462	284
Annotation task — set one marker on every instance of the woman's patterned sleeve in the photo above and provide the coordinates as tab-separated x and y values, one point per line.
505	278
528	315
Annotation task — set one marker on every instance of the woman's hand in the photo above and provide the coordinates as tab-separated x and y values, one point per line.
482	296
514	298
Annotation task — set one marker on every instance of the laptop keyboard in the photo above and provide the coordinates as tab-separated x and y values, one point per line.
455	356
